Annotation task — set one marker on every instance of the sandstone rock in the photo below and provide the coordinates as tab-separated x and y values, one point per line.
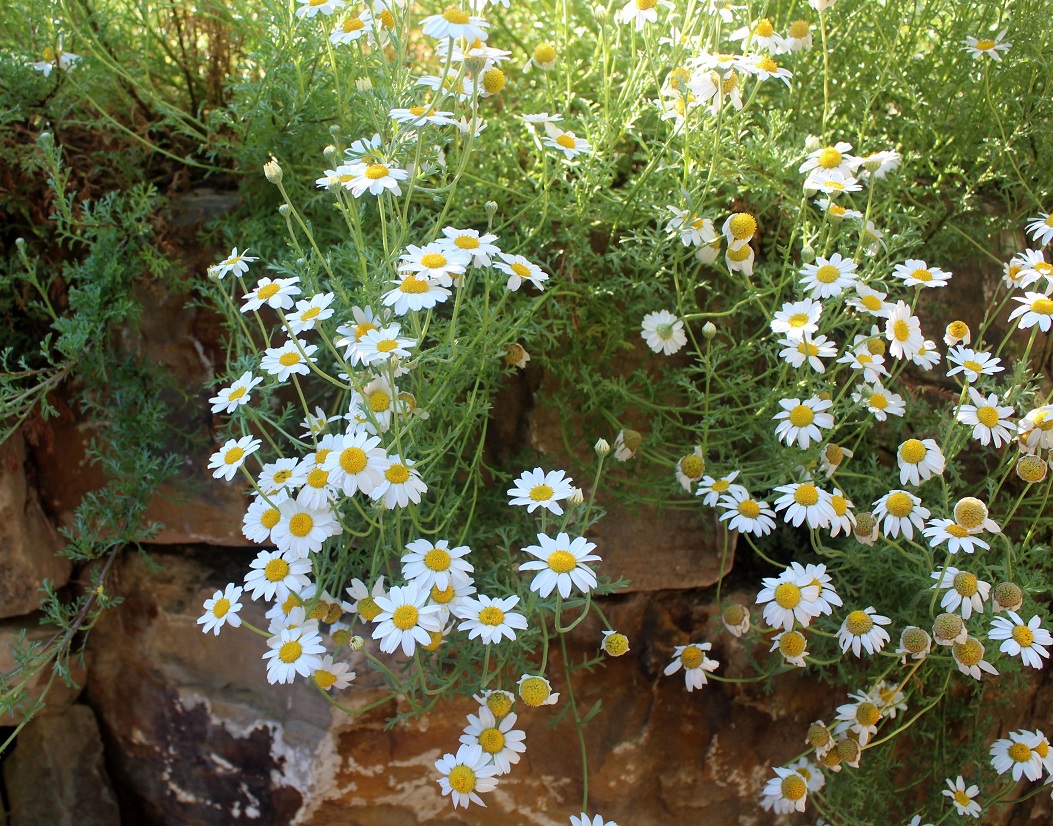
55	775
61	696
197	736
28	539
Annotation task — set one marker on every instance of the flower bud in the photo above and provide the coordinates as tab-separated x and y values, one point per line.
364	84
284	210
273	171
356	643
576	496
602	448
709	330
614	644
807	254
490	207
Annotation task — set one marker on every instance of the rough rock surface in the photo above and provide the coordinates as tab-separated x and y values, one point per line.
56	775
197	736
28	539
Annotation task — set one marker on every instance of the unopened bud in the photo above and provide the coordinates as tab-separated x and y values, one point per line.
356	643
20	242
364	84
576	496
807	253
332	154
273	171
490	207
600	12
812	144
602	448
334	130
284	210
709	331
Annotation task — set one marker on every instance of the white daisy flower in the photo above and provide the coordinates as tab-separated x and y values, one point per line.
315	492
902	512
690	468
957	537
405	619
798	36
535	691
903	330
804	502
765	67
879	164
456	25
491	620
712	489
793	647
797	319
889	698
663	332
435	563
308	313
693	659
375	178
535	488
560	564
972	364
273	574
969	657
861	717
277	293
584	820
451	597
401	485
871	365
1034	309
807	349
1041	229
413	293
747	515
786	792
288	359
566	142
802	422
230	398
419	115
832	457
309	8
790	597
1031	265
480	248
964	590
519	269
879	401
927	356
844	520
827	598
736	619
275	476
694	230
830	182
222	609
837	212
962	797
862	629
740	259
332	675
830	158
364	600
464	775
1035	430
385	344
259	520
979	49
225	462
1029	641
293	651
237	263
356	462
916	273
760	34
498	740
303	530
990	421
914	642
919	459
436	262
827	278
639	13
1019	754
353	27
957	332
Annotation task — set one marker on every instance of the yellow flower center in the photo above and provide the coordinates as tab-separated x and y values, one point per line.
901	330
493	81
787	595
768	65
444	596
233	455
840	211
720	485
234	395
544	53
276	570
829	158
567	142
534	691
742	225
412	285
859	623
352	24
1023	635
270	517
987	416
912	451
792	644
975	366
644	5
491	740
798	320
368	608
462	778
957	530
405	617
984	45
834	454
268	291
802	416
362	329
455	16
867	714
878	401
1031	469
840	504
397	474
541	493
388	344
806	494
353	460
433	260
376	171
692	466
969	653
290	651
734	614
300	525
871	302
499	703
827	274
692	657
806	348
799	29
324	679
1042	306
793	787
562	562
379	401
749	508
741	254
899	504
387	19
466	242
921	275
289	359
1019	752
522	270
491	615
764	28
220	608
437	559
